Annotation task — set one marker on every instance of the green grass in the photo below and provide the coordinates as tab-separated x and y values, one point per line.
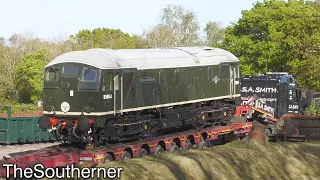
235	160
231	161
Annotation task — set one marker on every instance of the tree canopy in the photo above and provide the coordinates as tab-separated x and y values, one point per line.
178	27
278	36
106	38
274	35
29	76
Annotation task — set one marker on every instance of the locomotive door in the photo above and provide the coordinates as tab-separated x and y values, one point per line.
112	90
117	84
232	80
116	79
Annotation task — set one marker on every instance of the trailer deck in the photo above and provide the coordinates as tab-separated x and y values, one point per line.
57	157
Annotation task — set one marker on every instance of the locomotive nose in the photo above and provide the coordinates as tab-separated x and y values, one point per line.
44	122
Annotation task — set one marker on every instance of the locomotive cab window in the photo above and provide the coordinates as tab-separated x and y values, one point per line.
50	75
89	79
107	81
70	70
225	71
237	75
89	74
116	82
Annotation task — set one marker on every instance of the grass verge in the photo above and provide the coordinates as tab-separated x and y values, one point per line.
235	160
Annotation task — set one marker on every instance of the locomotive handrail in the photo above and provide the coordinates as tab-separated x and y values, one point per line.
234	81
114	96
121	79
8	110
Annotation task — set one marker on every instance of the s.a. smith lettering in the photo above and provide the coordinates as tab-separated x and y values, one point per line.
260	89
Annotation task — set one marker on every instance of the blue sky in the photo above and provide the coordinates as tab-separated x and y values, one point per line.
47	19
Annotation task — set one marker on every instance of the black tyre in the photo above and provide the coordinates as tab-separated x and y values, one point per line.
174	149
202	145
159	150
107	158
143	152
126	156
188	146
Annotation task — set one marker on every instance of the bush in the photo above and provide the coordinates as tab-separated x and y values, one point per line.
20	108
313	109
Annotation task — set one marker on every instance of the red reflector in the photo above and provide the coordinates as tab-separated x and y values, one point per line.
54	121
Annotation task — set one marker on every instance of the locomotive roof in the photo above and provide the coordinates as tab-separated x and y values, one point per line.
147	58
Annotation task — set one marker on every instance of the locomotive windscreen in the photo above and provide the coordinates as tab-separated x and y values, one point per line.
265	90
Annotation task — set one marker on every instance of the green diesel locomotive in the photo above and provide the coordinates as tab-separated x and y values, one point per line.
105	95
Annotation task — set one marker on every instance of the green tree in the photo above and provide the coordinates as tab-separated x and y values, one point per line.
3	52
12	52
313	109
106	38
29	76
214	33
278	36
178	27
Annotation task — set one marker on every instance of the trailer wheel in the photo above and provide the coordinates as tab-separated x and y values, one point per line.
143	152
202	145
126	155
159	150
188	146
107	158
174	149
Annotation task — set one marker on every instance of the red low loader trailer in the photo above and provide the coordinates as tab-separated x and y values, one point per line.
59	157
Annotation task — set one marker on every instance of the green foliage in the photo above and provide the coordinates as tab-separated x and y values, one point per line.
313	109
214	33
29	76
178	27
272	36
106	38
20	108
278	36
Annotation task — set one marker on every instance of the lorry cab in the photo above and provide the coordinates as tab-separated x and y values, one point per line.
276	92
283	77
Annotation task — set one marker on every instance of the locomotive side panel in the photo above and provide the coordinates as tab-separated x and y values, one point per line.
177	86
121	94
